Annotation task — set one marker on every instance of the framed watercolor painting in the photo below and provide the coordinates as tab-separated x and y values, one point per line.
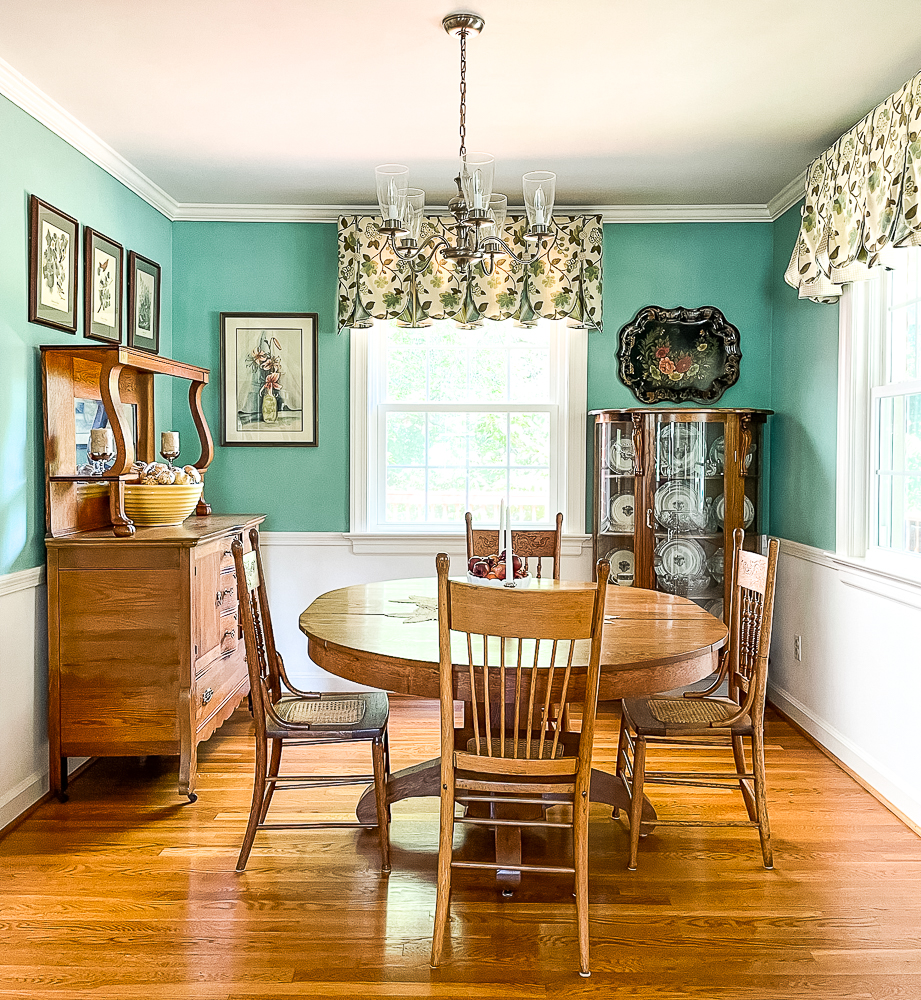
679	355
269	379
143	303
102	287
53	254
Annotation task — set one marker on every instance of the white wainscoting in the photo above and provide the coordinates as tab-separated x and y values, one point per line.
24	705
299	566
857	687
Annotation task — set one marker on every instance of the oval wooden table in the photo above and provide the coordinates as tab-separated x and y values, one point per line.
385	635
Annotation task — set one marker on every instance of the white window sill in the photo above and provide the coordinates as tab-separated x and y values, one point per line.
427	543
883	582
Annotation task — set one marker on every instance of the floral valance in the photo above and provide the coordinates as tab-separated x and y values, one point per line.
862	199
564	282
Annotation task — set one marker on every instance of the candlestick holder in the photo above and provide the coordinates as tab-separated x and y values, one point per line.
169	455
100	460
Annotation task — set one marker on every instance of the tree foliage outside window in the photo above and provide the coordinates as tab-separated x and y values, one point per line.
467	418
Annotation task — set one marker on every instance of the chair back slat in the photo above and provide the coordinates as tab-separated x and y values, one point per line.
529	653
539	544
750	624
256	623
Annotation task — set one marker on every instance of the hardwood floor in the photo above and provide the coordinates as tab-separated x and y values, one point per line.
127	892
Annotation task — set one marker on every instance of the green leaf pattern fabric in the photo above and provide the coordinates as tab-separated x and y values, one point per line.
563	282
861	199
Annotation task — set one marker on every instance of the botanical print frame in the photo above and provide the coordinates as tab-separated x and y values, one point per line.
679	355
103	268
269	379
143	303
53	254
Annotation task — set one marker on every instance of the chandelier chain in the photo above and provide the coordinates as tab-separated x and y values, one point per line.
463	93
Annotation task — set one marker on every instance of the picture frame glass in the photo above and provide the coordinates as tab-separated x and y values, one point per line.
53	260
102	288
144	303
269	379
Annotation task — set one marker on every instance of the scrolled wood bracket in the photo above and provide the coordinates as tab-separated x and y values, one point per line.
639	440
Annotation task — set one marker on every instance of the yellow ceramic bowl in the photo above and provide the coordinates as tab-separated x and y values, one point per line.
157	506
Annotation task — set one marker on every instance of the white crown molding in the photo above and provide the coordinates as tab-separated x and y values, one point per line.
42	108
608	213
25	579
788	197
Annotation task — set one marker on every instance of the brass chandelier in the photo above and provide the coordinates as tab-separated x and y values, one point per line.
479	214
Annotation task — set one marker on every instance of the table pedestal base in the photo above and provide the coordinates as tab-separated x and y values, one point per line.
425	779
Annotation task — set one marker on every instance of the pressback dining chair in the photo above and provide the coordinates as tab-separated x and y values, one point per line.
539	544
515	650
286	716
702	719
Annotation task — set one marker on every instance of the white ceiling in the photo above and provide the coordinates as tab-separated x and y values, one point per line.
631	102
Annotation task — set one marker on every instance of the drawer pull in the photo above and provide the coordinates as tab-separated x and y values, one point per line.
230	632
227	553
221	594
207	695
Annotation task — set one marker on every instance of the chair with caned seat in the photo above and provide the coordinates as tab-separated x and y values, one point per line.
701	719
518	656
537	544
286	716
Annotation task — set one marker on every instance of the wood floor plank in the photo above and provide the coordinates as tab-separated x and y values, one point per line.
128	893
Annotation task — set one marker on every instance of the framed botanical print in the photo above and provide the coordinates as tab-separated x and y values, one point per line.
102	287
143	303
269	379
53	254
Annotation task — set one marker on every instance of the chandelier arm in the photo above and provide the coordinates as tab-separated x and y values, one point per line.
486	247
409	255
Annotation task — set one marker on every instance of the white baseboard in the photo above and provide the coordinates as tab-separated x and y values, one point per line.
877	778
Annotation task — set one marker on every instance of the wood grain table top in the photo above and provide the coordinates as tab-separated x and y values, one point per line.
652	641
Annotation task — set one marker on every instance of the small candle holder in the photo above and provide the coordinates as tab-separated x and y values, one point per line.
169	446
100	450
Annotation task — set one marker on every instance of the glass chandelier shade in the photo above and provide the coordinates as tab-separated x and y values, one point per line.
479	214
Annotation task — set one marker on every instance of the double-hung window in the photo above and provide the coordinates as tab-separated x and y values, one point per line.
446	420
880	497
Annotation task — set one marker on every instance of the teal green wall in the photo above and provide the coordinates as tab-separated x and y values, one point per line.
727	265
35	161
804	394
271	267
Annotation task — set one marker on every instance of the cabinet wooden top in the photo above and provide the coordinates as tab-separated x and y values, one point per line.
192	531
132	358
680	412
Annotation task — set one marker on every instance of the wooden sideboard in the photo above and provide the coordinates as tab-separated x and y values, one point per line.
144	654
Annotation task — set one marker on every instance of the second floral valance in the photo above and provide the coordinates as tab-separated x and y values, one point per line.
564	282
862	199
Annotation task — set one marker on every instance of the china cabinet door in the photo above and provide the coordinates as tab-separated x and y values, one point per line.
618	490
670	487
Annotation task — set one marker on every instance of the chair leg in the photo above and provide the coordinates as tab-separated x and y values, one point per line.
387	764
764	826
621	755
443	892
380	799
636	797
738	755
580	863
274	766
256	808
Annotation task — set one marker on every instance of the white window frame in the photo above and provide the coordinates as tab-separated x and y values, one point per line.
568	443
862	380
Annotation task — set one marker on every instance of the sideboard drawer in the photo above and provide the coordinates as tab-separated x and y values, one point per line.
216	685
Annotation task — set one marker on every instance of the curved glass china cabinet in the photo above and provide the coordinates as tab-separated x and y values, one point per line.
670	486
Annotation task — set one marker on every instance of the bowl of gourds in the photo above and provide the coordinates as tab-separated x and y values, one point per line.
163	494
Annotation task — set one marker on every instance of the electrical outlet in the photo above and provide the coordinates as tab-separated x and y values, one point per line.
797	647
